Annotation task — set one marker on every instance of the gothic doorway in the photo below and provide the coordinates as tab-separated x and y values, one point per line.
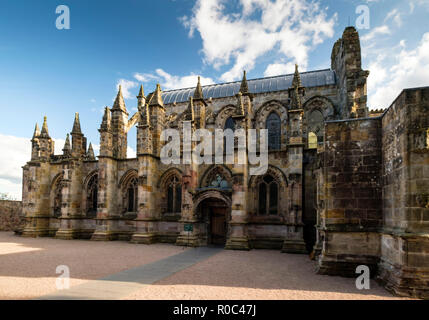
214	213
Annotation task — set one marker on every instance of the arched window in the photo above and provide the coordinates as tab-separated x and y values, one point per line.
91	196
131	195
229	124
316	126
174	195
274	131
268	196
312	141
58	198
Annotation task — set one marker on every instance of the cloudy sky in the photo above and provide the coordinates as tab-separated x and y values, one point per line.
46	71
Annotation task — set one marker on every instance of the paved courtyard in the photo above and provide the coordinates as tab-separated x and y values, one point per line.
121	270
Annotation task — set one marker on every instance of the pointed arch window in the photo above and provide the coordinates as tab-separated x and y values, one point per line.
92	196
229	124
131	195
174	195
268	196
274	131
315	128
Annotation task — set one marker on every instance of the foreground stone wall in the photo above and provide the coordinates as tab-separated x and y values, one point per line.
404	265
11	217
352	196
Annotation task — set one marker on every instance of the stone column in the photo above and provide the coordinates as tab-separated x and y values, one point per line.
294	239
107	211
35	199
189	188
147	218
238	237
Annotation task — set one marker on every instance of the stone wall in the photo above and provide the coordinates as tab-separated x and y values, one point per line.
404	265
11	217
352	211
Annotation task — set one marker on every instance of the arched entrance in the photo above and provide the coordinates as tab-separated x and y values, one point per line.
214	210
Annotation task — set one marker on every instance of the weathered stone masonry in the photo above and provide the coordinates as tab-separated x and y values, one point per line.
348	185
11	218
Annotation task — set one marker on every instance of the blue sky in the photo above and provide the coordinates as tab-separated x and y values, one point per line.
46	71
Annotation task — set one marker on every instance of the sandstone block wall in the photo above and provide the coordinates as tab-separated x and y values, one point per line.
352	196
11	217
404	263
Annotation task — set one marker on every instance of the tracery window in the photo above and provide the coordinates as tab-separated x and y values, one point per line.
174	195
131	195
273	125
268	196
92	196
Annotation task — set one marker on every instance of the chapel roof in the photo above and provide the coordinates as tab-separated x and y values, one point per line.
262	85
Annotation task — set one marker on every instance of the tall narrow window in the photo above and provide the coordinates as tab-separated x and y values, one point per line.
174	195
58	199
274	131
315	128
268	196
229	124
92	194
132	195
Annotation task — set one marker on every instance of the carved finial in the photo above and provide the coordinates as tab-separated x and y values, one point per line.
141	92
76	124
189	113
67	148
198	93
119	103
156	99
90	154
45	132
244	88
105	124
36	131
296	91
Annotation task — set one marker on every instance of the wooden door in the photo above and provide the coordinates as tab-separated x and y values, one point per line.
218	225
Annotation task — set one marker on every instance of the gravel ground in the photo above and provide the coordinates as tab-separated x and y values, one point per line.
258	275
28	265
27	270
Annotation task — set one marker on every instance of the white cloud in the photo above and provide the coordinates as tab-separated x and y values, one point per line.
287	28
169	81
409	69
126	86
131	153
382	30
17	152
276	69
395	15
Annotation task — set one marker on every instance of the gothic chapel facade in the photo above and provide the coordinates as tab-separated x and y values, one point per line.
344	183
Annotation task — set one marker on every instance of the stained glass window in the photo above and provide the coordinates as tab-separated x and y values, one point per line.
274	131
